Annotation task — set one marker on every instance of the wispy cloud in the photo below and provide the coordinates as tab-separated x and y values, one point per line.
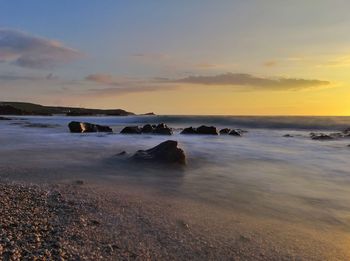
151	56
10	77
121	85
342	61
25	50
241	79
270	63
238	81
101	78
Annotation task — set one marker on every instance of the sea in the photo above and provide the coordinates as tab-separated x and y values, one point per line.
263	173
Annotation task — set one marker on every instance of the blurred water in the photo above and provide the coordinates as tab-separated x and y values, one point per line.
262	173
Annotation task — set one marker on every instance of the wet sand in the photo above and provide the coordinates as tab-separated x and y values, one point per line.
78	220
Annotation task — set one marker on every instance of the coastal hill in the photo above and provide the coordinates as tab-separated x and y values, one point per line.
24	108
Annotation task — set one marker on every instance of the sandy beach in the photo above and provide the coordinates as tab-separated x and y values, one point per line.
80	221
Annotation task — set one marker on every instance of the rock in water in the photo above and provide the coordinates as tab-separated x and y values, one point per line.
225	131
189	130
163	129
4	119
235	133
147	128
208	130
131	130
166	152
321	136
82	127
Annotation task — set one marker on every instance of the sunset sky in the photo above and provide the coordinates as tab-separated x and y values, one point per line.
233	57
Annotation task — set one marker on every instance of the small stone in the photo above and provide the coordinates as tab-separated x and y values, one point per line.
79	182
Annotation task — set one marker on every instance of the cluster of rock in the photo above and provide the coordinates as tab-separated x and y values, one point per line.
330	136
4	119
161	128
211	130
83	127
166	152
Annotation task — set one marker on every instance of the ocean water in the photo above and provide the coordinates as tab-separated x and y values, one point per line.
262	173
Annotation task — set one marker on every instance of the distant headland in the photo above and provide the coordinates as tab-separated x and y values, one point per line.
24	108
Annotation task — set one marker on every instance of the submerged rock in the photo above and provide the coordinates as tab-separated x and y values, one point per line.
131	130
321	136
40	125
165	152
82	127
4	119
288	136
235	133
225	131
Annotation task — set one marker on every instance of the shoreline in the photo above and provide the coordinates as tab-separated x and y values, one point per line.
78	220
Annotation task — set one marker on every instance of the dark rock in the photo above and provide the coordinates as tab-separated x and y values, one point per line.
235	133
79	182
166	152
121	153
189	130
321	136
163	129
82	127
208	130
225	131
40	125
95	222
131	130
288	136
4	119
147	128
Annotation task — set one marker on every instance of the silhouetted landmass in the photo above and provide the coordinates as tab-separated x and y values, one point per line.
24	108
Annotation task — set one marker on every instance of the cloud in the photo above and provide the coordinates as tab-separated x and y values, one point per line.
238	81
122	85
343	61
7	77
270	63
101	78
151	56
241	79
25	50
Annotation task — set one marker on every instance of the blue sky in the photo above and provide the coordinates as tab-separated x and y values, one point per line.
129	43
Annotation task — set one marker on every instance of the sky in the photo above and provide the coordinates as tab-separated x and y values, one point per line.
227	57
